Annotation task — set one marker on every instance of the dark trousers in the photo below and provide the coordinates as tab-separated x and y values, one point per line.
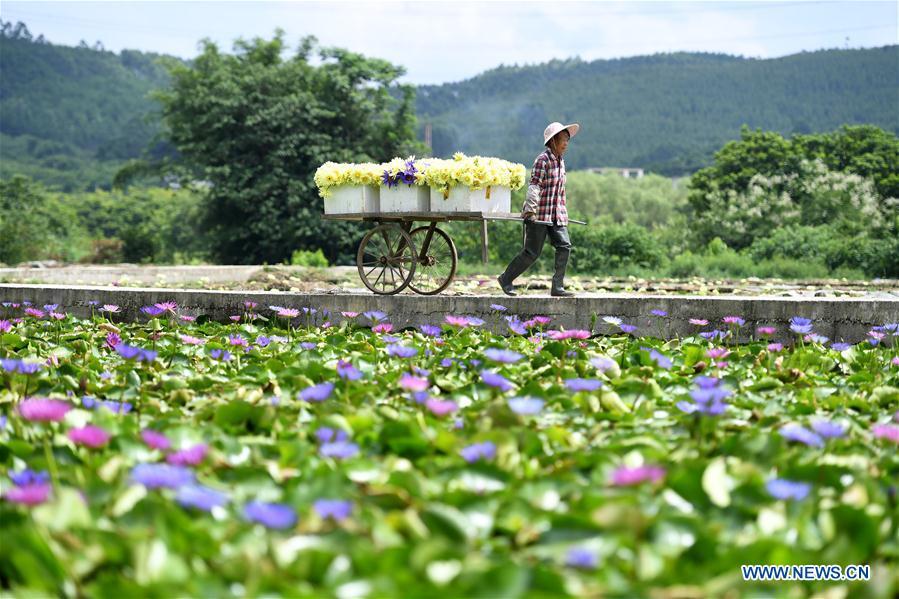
534	238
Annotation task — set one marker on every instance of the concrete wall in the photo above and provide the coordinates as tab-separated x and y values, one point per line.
838	318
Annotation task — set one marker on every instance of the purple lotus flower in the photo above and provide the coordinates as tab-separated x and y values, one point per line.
339	449
113	406
715	334
401	351
151	310
109	308
441	407
326	435
708	398
828	429
158	476
263	341
189	456
336	509
375	315
627	328
733	320
271	515
200	497
5	326
498	307
288	312
581	558
624	476
29	477
699	322
582	384
155	439
781	488
41	409
800	325
496	381
503	356
222	355
775	347
89	436
390	339
137	354
660	359
347	371
840	346
319	392
20	366
766	331
516	326
429	330
526	406
478	451
658	312
800	434
602	363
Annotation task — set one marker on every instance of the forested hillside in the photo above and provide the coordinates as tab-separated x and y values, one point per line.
71	115
667	113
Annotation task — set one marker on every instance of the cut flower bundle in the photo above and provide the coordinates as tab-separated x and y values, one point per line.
464	183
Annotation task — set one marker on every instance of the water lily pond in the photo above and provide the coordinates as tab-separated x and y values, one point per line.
294	452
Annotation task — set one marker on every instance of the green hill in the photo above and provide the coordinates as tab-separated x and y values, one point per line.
71	116
668	112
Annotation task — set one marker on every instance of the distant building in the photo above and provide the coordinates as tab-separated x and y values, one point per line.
626	172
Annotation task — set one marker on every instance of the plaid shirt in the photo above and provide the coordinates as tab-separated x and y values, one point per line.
549	175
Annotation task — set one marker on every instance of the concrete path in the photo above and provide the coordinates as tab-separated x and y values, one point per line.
840	319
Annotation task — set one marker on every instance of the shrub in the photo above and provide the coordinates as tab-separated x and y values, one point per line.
307	258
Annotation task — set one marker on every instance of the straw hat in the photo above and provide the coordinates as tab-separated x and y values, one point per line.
555	128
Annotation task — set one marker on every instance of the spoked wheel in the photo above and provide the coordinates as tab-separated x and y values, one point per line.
436	259
386	259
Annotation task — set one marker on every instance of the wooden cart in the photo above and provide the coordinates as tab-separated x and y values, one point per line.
396	254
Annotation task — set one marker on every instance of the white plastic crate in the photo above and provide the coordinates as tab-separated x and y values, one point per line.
466	199
353	199
404	198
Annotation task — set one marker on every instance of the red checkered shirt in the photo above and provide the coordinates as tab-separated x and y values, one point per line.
549	174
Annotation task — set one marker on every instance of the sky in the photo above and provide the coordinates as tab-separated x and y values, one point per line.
439	42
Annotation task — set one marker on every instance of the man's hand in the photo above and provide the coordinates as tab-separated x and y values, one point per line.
529	216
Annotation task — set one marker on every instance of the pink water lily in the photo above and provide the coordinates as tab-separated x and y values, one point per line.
42	409
89	436
410	382
624	476
441	407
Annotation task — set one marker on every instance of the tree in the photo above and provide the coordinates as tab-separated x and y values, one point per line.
257	126
34	225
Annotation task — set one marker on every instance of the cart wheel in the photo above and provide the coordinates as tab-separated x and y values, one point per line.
386	259
437	259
